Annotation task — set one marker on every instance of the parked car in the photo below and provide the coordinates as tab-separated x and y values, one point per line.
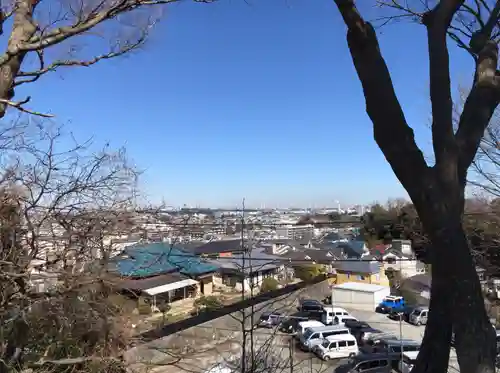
365	334
315	336
392	347
332	315
302	326
389	303
337	347
403	314
310	306
419	316
356	324
290	325
408	361
270	319
371	363
376	337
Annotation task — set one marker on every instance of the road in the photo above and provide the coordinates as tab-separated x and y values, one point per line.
198	349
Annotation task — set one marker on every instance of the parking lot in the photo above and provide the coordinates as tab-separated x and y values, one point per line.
198	349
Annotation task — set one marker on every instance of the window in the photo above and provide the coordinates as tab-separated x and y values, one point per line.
314	336
342	344
377	277
374	364
363	366
383	363
351	343
361	278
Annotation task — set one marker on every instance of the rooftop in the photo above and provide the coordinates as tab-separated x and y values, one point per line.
146	260
358	286
357	266
256	260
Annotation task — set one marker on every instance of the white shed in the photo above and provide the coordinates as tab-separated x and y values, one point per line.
359	295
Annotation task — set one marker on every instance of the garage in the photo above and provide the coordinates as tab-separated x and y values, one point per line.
358	295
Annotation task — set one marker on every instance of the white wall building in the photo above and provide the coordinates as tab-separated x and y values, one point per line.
359	295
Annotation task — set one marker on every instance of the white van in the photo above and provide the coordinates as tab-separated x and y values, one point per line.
337	347
408	361
313	337
329	314
303	325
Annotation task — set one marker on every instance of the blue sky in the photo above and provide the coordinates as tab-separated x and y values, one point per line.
255	99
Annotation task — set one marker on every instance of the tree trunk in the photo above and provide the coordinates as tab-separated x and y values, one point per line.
456	302
434	354
475	340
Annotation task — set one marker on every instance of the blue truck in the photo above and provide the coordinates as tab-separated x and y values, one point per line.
391	303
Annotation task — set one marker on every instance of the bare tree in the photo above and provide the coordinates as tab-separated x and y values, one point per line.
46	36
485	167
437	191
58	204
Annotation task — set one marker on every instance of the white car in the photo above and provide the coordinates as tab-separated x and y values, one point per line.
408	361
330	312
337	347
303	325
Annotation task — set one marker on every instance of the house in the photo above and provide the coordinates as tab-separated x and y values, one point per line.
365	271
354	249
403	263
324	258
248	270
161	271
335	237
217	249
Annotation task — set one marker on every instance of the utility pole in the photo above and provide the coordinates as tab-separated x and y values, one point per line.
243	313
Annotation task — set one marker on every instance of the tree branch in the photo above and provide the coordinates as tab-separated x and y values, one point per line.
391	131
19	106
478	108
438	21
120	51
484	96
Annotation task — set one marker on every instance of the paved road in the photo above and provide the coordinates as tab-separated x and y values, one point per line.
198	349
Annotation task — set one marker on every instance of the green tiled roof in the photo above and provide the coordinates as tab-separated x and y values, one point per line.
147	260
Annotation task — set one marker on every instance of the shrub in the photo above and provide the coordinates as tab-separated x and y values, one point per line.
269	284
309	271
209	302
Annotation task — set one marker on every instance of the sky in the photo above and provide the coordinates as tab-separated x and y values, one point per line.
256	100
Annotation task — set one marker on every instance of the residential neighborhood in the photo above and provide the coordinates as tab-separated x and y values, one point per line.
251	186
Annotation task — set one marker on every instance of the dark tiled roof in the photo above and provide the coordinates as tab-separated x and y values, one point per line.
319	255
358	266
352	249
216	247
256	261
